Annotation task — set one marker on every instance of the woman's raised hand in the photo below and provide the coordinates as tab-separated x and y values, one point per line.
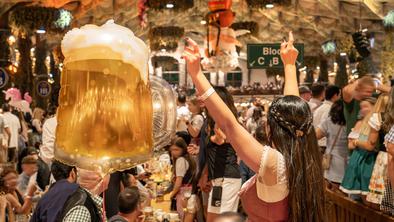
288	52
192	57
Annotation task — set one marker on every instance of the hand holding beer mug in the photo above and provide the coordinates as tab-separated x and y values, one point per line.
105	115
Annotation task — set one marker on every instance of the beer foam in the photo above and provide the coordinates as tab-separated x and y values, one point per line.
118	40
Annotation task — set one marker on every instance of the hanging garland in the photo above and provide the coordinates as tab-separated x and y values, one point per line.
273	72
345	44
165	37
28	19
252	26
388	21
167	63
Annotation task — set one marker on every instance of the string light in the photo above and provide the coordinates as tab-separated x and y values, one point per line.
269	6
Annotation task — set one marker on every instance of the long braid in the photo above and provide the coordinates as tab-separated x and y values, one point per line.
304	129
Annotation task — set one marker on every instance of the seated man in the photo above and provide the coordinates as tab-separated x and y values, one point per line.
66	200
129	206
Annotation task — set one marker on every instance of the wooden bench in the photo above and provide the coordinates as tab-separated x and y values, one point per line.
342	209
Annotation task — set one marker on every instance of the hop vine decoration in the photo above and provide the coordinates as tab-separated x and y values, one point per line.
165	37
253	27
27	19
388	20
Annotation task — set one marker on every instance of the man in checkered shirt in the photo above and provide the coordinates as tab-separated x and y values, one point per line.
387	204
67	201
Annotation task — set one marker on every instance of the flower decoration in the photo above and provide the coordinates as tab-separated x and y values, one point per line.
28	19
64	20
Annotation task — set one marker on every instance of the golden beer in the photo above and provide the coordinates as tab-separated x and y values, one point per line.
105	111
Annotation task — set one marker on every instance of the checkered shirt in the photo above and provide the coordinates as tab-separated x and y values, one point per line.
389	138
387	204
81	213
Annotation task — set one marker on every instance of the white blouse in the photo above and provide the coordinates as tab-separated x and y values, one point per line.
280	190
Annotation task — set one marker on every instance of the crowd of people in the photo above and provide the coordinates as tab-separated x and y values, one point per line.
269	162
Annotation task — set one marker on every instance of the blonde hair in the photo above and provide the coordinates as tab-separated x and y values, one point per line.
366	81
379	108
194	100
37	113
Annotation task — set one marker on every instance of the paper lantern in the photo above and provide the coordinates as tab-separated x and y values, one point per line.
105	115
226	18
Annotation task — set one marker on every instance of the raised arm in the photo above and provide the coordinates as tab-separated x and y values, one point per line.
289	55
248	149
347	92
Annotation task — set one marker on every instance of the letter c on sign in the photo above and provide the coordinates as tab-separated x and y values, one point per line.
260	60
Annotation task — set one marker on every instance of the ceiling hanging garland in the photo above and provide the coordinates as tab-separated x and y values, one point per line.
165	37
251	26
28	19
388	21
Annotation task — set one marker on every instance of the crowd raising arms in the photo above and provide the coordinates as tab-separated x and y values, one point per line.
289	132
248	149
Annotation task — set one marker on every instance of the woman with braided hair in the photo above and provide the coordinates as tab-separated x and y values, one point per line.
289	179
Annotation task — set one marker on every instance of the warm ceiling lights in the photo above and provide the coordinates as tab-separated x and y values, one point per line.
41	31
203	22
163	50
269	6
169	5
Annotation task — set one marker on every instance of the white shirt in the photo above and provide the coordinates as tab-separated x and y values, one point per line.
251	126
197	121
250	111
48	139
181	167
12	122
319	116
183	113
313	104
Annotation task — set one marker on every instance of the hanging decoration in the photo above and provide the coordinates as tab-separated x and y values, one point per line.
165	37
28	19
251	26
109	91
142	15
221	53
345	45
388	21
14	98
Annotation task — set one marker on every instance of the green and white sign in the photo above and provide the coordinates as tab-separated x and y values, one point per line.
266	55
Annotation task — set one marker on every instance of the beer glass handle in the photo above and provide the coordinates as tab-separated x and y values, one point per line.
164	112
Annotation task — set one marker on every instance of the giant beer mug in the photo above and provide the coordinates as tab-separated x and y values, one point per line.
107	120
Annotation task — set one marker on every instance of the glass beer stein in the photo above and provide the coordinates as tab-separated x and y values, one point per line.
106	113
